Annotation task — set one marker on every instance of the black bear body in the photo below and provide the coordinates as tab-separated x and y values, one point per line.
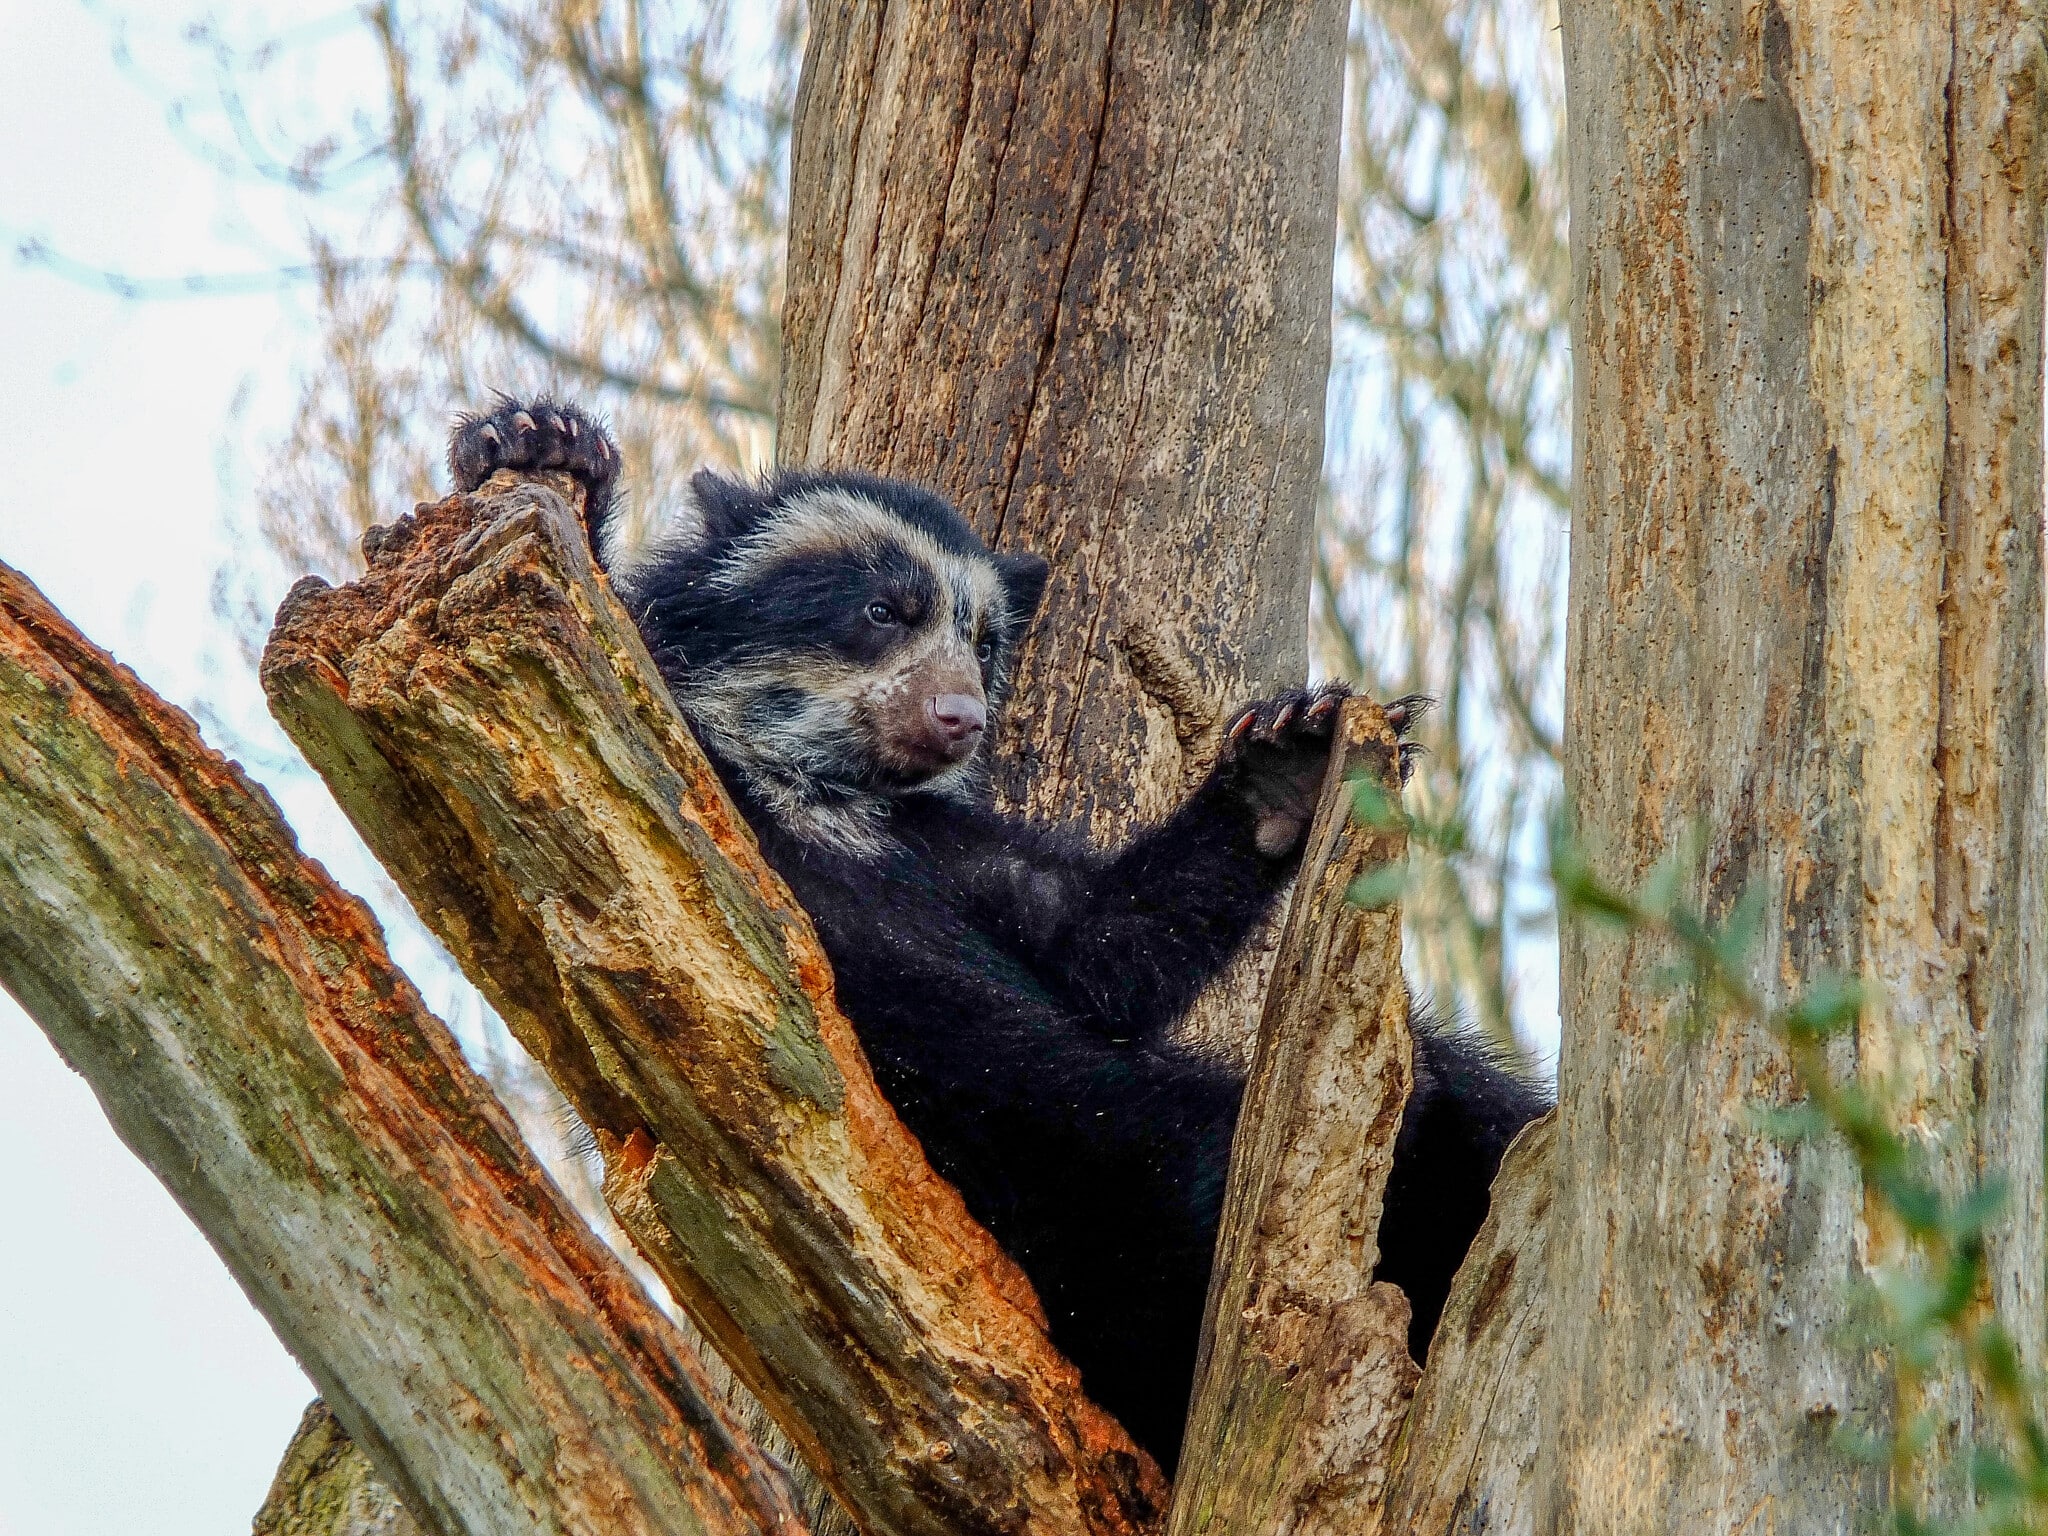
842	645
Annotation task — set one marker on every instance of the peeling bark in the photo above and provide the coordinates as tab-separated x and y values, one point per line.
1305	1377
1070	264
243	1028
1805	614
488	717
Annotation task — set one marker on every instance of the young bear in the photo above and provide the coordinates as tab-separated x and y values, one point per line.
842	645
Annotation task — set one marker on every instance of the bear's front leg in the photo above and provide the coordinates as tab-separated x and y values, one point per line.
1158	920
536	435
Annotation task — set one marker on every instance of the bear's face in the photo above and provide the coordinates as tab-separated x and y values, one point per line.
836	637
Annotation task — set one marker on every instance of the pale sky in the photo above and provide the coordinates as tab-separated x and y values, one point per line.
138	1390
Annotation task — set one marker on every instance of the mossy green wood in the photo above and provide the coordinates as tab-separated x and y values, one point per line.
245	1031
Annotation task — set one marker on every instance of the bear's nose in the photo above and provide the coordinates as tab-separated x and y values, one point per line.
958	717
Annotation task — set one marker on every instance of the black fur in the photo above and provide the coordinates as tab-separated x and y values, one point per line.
1014	988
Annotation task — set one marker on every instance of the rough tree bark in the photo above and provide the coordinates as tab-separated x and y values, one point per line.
1305	1379
238	1018
1806	612
1070	264
325	1486
485	713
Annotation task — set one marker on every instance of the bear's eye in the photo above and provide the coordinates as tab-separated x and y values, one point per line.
881	613
985	649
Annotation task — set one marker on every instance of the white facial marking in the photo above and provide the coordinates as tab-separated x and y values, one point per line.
831	521
807	763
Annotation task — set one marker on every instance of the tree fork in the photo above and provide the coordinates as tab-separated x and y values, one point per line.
487	715
1070	264
239	1020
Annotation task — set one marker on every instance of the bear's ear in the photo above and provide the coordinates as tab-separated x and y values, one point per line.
721	509
1024	578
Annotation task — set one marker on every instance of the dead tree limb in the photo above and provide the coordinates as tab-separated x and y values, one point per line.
488	717
1305	1376
325	1486
1467	1458
242	1026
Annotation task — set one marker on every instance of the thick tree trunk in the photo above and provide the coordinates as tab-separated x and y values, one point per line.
486	714
1305	1377
1070	264
242	1026
1806	612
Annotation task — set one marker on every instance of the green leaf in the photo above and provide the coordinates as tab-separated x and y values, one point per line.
1993	1474
1830	1001
1660	890
1381	886
1977	1210
1739	930
1998	1360
1790	1122
1375	807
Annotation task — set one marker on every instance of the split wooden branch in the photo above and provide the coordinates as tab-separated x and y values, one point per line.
486	714
248	1036
1305	1375
1467	1459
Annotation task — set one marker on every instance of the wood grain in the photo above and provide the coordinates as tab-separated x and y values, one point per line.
239	1020
1070	264
1806	617
1305	1377
1467	1458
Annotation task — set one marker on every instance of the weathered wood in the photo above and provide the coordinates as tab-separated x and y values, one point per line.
1305	1376
486	714
325	1486
1070	263
1805	614
240	1022
1466	1462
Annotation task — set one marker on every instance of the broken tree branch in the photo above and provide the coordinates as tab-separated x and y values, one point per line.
1467	1460
325	1486
1305	1376
238	1017
486	714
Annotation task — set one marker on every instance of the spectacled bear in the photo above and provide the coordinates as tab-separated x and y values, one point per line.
842	645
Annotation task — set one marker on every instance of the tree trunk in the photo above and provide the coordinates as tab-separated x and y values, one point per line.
241	1024
485	713
1806	612
1305	1378
1070	264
